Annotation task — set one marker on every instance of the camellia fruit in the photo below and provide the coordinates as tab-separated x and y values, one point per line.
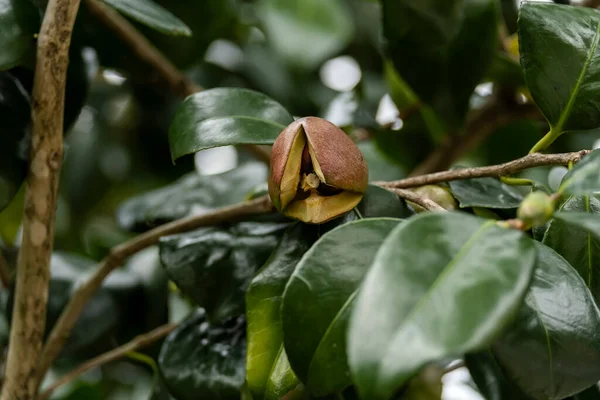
317	172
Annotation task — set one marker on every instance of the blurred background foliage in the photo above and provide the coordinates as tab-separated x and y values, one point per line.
324	58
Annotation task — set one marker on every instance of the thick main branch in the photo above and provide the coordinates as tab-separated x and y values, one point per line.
33	273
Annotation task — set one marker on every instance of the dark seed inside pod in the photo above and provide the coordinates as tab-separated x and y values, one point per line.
326	190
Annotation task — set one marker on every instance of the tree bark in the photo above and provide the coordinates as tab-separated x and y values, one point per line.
33	273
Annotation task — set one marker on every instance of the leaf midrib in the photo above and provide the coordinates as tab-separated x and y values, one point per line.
567	111
449	268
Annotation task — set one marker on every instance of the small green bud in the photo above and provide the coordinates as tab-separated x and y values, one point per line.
438	194
536	209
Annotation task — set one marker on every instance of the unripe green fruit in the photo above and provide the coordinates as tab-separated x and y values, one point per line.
536	209
317	172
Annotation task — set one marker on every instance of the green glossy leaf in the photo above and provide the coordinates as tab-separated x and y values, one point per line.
575	239
442	49
215	265
318	299
151	14
225	116
200	361
583	178
15	113
561	61
553	349
190	195
485	192
263	304
424	278
282	378
489	378
306	32
19	21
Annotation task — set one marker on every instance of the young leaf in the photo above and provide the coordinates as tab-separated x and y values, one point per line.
151	14
225	116
553	349
263	303
572	234
191	194
19	21
442	49
561	61
486	193
199	360
584	178
425	277
306	32
215	265
15	113
318	299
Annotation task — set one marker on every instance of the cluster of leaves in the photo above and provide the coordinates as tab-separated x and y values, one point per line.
365	305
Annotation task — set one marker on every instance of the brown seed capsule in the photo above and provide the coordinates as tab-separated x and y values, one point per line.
317	172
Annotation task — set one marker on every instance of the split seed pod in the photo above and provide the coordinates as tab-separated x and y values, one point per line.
317	172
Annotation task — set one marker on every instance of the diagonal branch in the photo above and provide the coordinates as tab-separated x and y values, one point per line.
33	272
61	330
178	83
511	167
113	355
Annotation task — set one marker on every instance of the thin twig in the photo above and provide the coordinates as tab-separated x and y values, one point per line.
424	202
478	128
137	343
33	272
62	328
511	167
4	271
177	82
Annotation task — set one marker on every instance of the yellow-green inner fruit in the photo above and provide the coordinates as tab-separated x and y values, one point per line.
305	194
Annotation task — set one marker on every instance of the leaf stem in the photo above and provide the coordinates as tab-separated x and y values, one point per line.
516	181
546	141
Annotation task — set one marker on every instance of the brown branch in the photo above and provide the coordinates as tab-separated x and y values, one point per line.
424	202
143	49
62	328
33	272
113	355
590	3
478	128
4	271
511	167
177	82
